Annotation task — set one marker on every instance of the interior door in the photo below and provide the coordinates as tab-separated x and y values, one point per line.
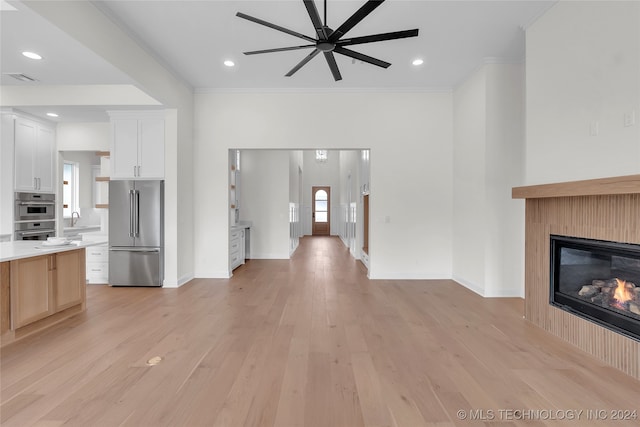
321	218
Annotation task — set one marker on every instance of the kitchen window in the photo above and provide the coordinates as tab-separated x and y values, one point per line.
70	188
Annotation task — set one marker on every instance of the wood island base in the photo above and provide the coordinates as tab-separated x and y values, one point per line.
39	291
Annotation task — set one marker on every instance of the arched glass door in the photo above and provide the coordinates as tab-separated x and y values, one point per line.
321	218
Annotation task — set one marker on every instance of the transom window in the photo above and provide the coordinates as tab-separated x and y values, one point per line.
322	155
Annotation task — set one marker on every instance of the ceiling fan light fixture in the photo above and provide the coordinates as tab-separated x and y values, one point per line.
330	41
229	63
417	62
31	55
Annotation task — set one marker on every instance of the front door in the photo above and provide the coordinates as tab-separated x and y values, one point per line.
321	220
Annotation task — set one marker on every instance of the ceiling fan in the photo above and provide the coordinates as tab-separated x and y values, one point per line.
330	41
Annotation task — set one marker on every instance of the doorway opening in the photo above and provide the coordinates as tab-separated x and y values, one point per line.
272	180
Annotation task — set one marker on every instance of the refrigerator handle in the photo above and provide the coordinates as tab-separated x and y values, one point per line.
137	214
134	249
131	203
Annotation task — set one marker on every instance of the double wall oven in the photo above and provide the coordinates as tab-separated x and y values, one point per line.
35	216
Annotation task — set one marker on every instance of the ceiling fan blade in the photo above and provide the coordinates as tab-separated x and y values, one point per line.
303	62
274	26
360	14
315	19
333	66
378	37
361	57
279	49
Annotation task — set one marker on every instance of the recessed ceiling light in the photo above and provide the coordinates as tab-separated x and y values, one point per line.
32	55
417	62
229	63
52	115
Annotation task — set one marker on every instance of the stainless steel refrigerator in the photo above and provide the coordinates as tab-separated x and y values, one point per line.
136	233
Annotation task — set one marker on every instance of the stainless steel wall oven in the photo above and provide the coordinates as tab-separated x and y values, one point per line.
34	216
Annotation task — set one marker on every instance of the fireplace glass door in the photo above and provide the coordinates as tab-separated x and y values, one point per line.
597	280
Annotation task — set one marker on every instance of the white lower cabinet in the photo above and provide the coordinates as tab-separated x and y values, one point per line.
236	248
98	264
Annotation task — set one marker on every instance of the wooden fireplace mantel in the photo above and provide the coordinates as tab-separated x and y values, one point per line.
599	209
629	184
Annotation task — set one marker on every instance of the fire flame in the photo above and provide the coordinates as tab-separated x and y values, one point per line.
622	294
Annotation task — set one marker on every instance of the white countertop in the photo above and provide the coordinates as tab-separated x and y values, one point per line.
30	248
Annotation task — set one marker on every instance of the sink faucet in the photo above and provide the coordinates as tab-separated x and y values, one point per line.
74	212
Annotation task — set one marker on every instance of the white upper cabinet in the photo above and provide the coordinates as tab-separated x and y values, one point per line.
34	156
137	145
151	148
124	149
25	145
44	159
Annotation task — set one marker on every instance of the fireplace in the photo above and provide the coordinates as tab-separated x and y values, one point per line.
597	280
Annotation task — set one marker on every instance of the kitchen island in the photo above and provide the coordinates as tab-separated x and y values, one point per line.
39	286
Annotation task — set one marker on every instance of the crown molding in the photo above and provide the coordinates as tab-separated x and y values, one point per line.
319	90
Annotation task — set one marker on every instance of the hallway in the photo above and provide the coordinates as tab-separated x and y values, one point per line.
303	342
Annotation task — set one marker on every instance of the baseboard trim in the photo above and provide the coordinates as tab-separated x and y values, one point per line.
505	293
493	293
181	281
268	256
395	275
469	285
292	250
220	274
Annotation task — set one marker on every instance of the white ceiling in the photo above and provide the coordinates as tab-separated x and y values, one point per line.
65	60
193	38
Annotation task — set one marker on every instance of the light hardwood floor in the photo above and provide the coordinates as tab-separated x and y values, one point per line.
305	342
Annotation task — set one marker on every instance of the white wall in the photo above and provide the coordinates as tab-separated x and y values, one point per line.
84	22
488	225
264	200
6	173
83	136
85	160
79	142
364	187
296	169
469	204
410	136
350	200
322	174
583	66
504	162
